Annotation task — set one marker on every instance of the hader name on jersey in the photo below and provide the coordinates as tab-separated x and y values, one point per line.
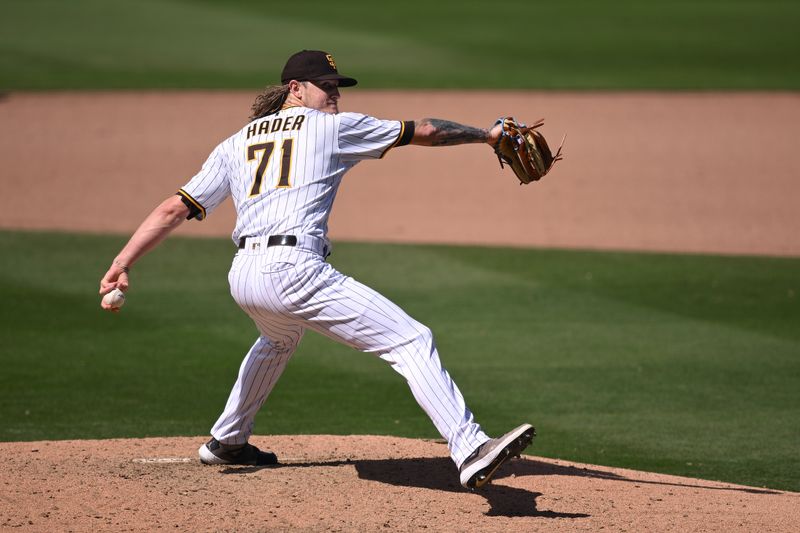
276	124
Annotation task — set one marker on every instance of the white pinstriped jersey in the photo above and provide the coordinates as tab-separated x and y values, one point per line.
283	170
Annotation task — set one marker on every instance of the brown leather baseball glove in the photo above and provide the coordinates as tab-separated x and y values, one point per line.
525	150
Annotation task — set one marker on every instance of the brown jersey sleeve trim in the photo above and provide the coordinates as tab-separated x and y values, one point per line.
406	133
195	209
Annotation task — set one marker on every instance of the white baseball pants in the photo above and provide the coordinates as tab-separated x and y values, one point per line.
288	289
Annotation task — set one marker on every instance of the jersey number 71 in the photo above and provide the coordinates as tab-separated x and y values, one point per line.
267	148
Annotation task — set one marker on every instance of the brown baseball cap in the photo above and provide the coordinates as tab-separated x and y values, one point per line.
313	65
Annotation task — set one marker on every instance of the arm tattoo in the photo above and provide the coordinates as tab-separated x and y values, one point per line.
449	133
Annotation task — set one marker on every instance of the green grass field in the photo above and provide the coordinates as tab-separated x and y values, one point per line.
571	44
673	363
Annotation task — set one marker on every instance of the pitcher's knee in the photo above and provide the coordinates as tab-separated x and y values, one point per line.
266	347
415	356
426	336
421	338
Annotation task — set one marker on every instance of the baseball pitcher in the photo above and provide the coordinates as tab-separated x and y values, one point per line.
282	171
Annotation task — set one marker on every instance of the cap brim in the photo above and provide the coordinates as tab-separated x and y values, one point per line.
344	81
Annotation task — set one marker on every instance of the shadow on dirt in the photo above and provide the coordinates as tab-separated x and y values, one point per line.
439	473
529	467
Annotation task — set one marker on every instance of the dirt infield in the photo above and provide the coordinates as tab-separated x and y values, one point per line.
696	172
678	172
356	484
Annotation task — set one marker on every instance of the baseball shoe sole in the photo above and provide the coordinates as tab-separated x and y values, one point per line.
482	464
214	452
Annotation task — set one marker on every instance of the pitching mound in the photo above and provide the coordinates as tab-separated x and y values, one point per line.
355	483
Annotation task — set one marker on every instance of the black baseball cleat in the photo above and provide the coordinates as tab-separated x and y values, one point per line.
481	465
214	452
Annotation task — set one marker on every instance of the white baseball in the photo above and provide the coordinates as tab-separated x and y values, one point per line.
114	299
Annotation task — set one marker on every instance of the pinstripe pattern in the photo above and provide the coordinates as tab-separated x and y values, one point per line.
287	290
325	146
